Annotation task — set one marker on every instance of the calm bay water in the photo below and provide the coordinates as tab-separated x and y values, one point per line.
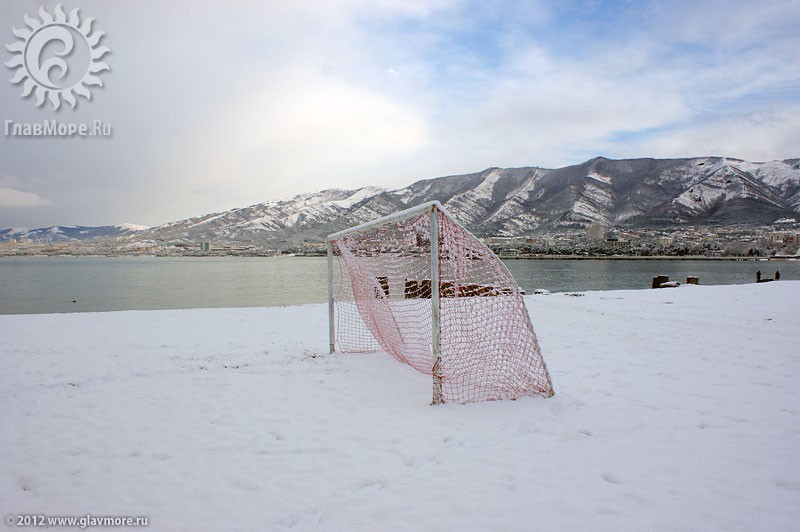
84	284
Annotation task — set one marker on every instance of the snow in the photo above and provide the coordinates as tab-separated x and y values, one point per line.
404	195
132	227
473	203
774	173
674	410
601	195
599	177
588	207
485	189
209	218
702	195
358	196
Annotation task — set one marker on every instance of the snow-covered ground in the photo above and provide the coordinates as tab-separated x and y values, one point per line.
675	409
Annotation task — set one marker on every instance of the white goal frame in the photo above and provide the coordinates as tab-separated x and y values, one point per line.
431	207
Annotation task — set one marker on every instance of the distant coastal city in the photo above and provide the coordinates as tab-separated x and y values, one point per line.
778	240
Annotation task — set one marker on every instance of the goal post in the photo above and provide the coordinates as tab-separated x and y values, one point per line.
435	306
419	286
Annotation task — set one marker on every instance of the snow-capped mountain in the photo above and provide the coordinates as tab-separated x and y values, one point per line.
304	216
517	201
58	233
513	201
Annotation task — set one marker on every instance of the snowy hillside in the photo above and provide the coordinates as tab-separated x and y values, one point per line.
59	233
276	219
505	202
675	410
521	201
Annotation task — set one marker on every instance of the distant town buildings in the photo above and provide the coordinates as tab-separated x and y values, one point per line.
595	232
780	240
784	237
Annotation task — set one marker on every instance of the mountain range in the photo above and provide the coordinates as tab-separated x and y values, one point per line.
61	233
514	201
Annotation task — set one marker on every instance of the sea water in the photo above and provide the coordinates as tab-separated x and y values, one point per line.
90	284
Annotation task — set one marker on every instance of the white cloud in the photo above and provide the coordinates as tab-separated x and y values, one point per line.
724	23
640	92
762	135
552	112
11	198
297	127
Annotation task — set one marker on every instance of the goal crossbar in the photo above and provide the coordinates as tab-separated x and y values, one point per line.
394	217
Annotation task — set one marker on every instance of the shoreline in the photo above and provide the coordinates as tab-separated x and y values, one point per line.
500	255
641	257
525	295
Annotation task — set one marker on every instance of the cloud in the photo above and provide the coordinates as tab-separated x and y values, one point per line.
12	198
763	135
736	24
388	95
629	85
262	100
298	125
560	110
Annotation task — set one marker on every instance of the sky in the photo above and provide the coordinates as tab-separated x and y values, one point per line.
220	104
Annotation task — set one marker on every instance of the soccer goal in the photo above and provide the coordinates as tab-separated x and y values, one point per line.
419	286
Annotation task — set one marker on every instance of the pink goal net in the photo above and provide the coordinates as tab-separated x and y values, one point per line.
382	295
